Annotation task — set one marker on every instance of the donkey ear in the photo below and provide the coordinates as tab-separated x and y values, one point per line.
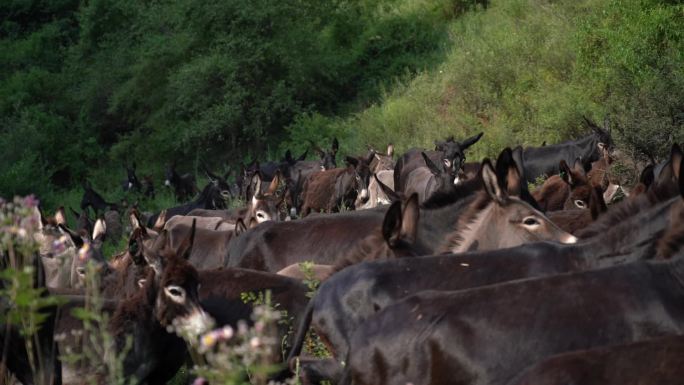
288	156
597	204
99	229
240	227
517	155
391	194
439	146
681	181
491	183
409	220
335	146
391	225
134	219
303	156
60	216
514	181
185	248
470	141
671	169
160	222
430	165
256	182
273	187
647	177
503	163
676	159
390	150
565	172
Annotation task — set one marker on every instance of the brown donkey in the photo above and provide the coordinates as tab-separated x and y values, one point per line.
569	190
168	301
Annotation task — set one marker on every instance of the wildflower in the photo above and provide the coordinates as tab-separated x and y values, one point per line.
254	342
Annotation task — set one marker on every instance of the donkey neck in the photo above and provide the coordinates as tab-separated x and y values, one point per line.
632	239
470	236
588	148
434	224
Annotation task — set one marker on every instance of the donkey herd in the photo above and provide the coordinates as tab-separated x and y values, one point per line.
433	270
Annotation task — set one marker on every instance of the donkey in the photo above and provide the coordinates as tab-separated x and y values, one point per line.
297	175
450	153
330	189
168	301
653	361
427	180
184	186
132	183
210	198
569	190
545	160
380	190
92	199
574	221
220	181
382	162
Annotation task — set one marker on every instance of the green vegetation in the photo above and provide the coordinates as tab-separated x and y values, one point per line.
88	86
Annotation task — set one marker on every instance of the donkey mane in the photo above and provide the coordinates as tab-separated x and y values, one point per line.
468	217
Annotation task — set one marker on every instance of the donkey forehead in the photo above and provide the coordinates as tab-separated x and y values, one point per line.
182	274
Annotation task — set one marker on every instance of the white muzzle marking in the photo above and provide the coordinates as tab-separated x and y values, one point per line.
456	180
569	239
195	324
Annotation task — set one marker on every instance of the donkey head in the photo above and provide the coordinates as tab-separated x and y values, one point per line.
357	184
328	157
265	206
580	189
499	218
90	253
172	177
444	176
132	182
382	161
605	144
454	152
220	182
176	282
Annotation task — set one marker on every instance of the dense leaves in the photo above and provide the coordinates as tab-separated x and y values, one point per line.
88	86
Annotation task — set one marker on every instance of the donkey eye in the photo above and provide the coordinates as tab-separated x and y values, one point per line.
530	221
176	293
580	204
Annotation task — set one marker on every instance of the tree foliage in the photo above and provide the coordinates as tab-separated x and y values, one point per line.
87	86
